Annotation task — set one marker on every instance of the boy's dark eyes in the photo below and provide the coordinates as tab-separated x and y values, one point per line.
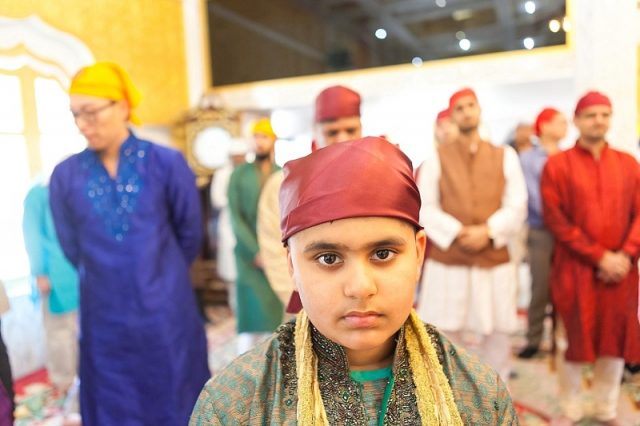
328	259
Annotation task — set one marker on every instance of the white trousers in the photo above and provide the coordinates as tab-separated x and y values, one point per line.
606	383
61	331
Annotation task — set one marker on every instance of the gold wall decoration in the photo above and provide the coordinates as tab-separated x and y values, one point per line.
145	37
187	134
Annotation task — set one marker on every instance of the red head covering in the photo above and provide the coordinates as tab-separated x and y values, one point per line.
336	102
366	177
443	115
459	95
545	116
590	99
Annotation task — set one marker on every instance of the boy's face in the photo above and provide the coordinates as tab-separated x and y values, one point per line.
357	278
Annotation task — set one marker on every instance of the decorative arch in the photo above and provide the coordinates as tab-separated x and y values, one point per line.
49	50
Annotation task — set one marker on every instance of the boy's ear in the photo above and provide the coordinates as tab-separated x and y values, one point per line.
421	246
290	267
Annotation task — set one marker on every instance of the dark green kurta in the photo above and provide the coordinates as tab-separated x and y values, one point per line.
258	307
259	388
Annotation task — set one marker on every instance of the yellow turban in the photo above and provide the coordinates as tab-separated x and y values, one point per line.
263	126
107	80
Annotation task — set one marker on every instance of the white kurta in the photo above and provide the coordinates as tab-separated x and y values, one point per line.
226	239
274	255
463	298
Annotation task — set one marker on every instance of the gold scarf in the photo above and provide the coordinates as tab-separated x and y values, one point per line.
433	393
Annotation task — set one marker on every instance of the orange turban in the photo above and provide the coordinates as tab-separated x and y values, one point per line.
545	116
337	102
590	99
107	80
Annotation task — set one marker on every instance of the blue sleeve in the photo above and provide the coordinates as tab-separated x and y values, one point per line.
62	215
184	206
32	228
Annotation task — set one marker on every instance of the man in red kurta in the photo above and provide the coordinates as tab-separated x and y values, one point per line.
591	198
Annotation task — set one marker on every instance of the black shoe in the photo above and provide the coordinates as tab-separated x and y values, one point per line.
528	352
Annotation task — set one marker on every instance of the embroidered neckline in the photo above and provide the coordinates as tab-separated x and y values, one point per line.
115	199
341	394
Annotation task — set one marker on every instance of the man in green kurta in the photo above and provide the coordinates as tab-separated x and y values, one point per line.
258	308
357	354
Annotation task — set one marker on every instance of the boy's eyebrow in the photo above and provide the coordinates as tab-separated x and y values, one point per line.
324	245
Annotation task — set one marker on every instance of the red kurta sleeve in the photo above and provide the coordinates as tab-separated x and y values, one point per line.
555	205
631	244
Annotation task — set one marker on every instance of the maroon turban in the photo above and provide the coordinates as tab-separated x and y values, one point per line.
545	116
337	102
367	177
459	95
443	115
591	99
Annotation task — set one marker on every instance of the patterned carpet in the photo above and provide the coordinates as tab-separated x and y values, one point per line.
533	385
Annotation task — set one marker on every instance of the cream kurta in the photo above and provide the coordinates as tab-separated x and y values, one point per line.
274	255
226	238
463	298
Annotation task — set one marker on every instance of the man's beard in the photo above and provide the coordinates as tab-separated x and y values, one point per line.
468	129
263	156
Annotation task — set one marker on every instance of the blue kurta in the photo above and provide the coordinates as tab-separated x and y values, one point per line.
143	353
45	254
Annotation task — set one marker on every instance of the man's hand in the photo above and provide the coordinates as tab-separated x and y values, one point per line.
613	267
474	238
44	286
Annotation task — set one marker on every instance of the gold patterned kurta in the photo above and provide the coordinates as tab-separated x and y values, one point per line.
259	387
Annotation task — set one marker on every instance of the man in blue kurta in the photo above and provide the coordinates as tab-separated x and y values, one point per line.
57	283
128	217
258	308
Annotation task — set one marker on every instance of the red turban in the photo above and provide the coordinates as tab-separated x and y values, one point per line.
459	95
443	115
590	99
367	177
545	116
336	102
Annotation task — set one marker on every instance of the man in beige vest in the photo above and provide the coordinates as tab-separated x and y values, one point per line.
337	119
474	202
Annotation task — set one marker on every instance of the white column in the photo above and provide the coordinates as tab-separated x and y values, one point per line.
196	49
606	43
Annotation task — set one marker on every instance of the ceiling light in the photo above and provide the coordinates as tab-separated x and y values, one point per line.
465	44
441	3
417	61
530	7
566	24
460	35
528	43
381	33
554	25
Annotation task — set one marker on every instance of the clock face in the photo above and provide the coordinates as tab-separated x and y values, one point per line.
211	147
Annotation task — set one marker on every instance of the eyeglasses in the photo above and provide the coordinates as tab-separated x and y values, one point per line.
90	116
